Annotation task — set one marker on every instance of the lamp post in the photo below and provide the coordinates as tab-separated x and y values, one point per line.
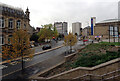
118	34
70	45
109	34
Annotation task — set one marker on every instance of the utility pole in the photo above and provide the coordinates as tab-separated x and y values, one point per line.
118	32
114	33
109	34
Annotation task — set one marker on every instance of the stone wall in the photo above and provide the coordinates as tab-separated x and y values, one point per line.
101	30
97	70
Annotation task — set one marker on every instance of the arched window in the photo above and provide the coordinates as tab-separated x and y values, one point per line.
18	24
10	23
2	22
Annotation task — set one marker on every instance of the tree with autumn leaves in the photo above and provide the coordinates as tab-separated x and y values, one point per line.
19	47
70	40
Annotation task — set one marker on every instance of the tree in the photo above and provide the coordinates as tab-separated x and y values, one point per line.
76	34
47	32
34	37
19	48
61	35
44	33
70	40
55	32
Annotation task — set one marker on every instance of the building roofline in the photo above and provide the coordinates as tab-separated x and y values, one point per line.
108	21
9	6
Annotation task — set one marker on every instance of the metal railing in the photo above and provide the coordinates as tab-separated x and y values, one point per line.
105	77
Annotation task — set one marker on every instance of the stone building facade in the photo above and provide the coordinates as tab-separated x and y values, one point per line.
102	28
12	19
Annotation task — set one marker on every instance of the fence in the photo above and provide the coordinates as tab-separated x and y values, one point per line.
105	77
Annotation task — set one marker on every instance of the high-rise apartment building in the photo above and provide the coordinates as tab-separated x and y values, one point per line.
93	21
76	28
65	25
61	27
119	10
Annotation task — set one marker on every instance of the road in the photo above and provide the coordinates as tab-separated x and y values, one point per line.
53	44
12	71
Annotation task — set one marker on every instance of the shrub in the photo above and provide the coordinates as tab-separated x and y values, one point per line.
94	60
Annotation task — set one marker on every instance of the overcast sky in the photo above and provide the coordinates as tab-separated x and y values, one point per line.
50	11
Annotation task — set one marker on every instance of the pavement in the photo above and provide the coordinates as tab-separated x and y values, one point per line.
111	40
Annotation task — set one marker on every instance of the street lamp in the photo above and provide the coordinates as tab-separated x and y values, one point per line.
70	45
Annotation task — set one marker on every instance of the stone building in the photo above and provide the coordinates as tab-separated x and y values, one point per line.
12	19
106	27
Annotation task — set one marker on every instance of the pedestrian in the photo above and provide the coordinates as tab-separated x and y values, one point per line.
95	37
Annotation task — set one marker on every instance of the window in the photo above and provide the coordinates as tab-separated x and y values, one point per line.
2	23
24	26
9	37
18	24
10	23
1	40
113	31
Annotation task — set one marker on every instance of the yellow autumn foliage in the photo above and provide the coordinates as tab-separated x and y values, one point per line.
70	39
20	46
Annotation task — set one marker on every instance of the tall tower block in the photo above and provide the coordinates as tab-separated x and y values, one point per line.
93	21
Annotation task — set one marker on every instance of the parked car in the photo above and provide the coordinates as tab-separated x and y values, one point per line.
32	44
85	40
79	38
36	44
45	47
